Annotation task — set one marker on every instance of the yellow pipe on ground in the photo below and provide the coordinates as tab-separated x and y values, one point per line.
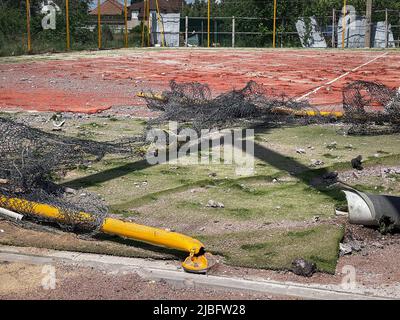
155	236
148	95
196	262
309	113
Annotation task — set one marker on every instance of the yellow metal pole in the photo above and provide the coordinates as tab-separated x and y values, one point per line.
67	26
274	32
126	23
208	22
99	23
196	262
161	24
344	22
28	25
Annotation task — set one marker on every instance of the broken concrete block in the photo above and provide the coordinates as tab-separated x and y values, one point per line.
345	248
215	204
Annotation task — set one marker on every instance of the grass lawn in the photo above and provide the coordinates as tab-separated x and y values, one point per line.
268	219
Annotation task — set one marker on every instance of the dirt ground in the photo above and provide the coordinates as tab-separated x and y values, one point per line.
19	281
376	267
92	81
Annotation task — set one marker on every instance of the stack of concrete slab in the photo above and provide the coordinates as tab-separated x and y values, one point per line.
170	27
356	29
309	33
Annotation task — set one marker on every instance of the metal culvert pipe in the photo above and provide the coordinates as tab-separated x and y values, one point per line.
369	209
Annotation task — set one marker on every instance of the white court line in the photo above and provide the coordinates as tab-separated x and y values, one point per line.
340	77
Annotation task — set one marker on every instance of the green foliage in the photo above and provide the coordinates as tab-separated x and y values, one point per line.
13	26
255	32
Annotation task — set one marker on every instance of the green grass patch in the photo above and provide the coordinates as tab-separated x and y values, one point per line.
277	249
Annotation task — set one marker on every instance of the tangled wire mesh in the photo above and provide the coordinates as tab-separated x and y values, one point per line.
371	108
193	102
29	159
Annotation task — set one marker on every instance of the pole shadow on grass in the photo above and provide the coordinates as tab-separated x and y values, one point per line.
271	157
268	156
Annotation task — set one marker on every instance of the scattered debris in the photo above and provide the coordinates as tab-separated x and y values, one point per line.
70	191
386	225
387	171
350	245
215	204
377	245
58	121
356	163
332	145
316	163
303	267
345	249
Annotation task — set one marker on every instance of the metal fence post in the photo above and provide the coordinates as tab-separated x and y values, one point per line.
28	25
67	24
368	23
186	31
208	23
233	31
386	28
99	23
274	32
126	23
344	23
333	28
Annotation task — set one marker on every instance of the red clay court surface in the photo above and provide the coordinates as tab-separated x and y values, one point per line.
90	83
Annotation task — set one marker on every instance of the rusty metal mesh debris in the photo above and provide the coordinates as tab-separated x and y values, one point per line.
371	108
193	102
29	160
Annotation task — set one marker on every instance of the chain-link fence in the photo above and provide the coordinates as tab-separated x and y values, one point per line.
383	31
36	26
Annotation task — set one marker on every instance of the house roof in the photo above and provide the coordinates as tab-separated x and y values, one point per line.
109	8
166	6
